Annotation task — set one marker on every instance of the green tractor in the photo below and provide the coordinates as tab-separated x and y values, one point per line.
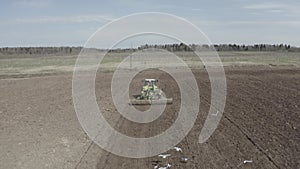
151	94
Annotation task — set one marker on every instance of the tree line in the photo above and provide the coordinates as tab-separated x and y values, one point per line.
169	47
41	50
224	47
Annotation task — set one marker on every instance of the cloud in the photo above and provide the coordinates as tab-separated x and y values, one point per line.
197	9
217	23
267	6
32	3
66	19
276	7
264	22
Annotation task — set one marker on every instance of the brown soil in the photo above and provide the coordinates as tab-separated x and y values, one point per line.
260	122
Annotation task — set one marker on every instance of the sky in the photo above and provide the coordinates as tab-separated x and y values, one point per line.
71	23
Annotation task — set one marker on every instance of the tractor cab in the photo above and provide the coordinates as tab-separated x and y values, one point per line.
150	82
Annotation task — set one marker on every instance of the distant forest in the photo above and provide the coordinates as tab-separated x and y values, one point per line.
169	47
224	47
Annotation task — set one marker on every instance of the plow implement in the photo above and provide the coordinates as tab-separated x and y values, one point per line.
149	102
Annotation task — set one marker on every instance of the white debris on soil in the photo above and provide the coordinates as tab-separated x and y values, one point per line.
247	161
167	166
244	162
184	160
156	166
177	149
164	155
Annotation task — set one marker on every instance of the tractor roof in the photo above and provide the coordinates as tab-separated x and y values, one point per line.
150	80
